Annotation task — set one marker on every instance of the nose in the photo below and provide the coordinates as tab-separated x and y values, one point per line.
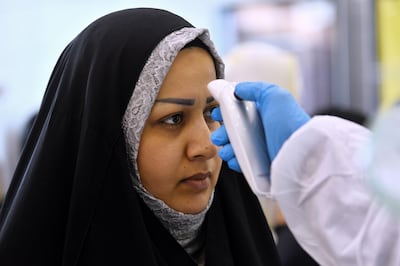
199	145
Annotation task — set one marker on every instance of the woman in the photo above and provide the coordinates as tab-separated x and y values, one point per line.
119	168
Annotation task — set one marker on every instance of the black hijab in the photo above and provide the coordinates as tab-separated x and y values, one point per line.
71	200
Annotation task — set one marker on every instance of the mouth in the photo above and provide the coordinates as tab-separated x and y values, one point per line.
198	182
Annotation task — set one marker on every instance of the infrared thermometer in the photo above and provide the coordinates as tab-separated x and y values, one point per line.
246	134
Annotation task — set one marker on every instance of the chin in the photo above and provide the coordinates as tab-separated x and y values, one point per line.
196	206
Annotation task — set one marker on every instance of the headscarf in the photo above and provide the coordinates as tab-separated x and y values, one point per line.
185	228
71	200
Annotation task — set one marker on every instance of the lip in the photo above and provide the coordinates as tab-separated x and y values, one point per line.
198	182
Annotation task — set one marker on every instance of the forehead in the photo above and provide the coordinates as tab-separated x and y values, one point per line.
191	71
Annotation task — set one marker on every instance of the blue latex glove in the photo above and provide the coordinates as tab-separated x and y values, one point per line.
281	115
220	138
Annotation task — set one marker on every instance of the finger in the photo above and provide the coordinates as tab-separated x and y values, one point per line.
216	114
250	91
234	165
220	137
226	152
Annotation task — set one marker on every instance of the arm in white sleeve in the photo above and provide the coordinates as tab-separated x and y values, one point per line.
321	191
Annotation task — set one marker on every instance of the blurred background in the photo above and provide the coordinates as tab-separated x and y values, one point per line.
329	53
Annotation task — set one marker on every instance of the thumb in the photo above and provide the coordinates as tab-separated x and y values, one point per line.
251	91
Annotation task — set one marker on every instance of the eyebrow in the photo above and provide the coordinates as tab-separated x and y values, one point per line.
183	101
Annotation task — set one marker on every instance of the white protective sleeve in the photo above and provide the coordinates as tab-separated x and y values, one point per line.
321	191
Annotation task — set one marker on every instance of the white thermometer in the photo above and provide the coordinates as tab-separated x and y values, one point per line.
246	135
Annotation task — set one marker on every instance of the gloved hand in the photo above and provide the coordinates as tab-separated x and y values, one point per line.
220	138
281	115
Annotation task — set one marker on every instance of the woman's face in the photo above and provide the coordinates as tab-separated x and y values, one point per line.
177	161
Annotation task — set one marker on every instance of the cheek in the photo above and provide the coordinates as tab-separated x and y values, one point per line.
155	162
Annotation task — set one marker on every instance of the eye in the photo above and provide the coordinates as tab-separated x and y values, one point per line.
173	120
